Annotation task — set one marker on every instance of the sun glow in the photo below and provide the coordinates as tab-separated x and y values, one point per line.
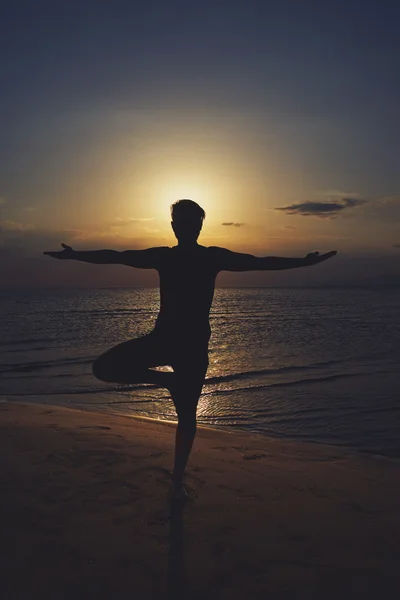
203	193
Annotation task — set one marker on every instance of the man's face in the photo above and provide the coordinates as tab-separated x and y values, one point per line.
186	229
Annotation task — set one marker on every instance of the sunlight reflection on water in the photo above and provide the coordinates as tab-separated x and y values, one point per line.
294	362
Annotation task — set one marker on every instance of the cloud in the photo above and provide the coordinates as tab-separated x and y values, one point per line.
324	210
338	194
289	227
2	201
390	200
396	245
129	221
231	224
15	226
386	209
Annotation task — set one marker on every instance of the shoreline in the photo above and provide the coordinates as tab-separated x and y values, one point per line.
218	429
85	513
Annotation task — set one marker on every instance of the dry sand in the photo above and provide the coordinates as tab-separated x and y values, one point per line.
84	514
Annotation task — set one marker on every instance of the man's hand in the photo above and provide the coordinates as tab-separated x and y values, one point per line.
315	257
66	253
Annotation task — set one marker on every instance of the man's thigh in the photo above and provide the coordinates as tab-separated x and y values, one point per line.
143	352
190	368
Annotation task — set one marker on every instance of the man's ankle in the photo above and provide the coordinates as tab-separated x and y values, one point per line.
177	482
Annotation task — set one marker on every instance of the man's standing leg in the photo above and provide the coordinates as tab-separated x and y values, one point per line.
189	381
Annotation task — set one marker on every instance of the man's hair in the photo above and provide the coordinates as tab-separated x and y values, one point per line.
187	208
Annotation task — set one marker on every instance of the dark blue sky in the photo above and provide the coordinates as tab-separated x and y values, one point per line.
323	75
312	57
332	60
338	60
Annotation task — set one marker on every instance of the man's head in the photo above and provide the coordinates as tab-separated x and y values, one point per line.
187	220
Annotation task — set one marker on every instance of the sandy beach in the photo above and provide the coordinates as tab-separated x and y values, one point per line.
85	513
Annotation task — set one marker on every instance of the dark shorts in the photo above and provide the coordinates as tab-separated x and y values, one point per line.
156	349
186	354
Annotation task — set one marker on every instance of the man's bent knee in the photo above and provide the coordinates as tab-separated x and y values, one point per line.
102	370
97	371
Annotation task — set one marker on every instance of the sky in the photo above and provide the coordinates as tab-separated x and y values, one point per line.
281	119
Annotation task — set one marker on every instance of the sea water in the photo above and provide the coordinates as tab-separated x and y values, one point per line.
319	365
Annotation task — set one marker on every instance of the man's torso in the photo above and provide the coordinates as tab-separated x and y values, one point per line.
187	282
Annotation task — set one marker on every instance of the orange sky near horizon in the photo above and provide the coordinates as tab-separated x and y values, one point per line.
108	182
118	184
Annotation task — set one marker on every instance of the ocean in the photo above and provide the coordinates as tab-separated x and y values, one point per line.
317	365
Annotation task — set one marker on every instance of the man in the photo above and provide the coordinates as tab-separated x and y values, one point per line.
180	338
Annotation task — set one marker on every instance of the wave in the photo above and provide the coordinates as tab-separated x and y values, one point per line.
102	390
292	383
29	367
214	392
33	366
258	372
114	312
40	365
28	341
290	369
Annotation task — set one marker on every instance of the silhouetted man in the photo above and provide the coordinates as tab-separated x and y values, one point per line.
180	338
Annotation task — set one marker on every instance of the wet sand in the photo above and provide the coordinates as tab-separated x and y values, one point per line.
84	513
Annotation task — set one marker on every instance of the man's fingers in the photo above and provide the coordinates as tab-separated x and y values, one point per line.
315	257
60	253
322	257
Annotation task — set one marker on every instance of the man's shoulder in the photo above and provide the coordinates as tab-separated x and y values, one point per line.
159	250
217	250
150	250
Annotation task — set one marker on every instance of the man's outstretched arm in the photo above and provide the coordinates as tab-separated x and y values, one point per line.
142	259
236	261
